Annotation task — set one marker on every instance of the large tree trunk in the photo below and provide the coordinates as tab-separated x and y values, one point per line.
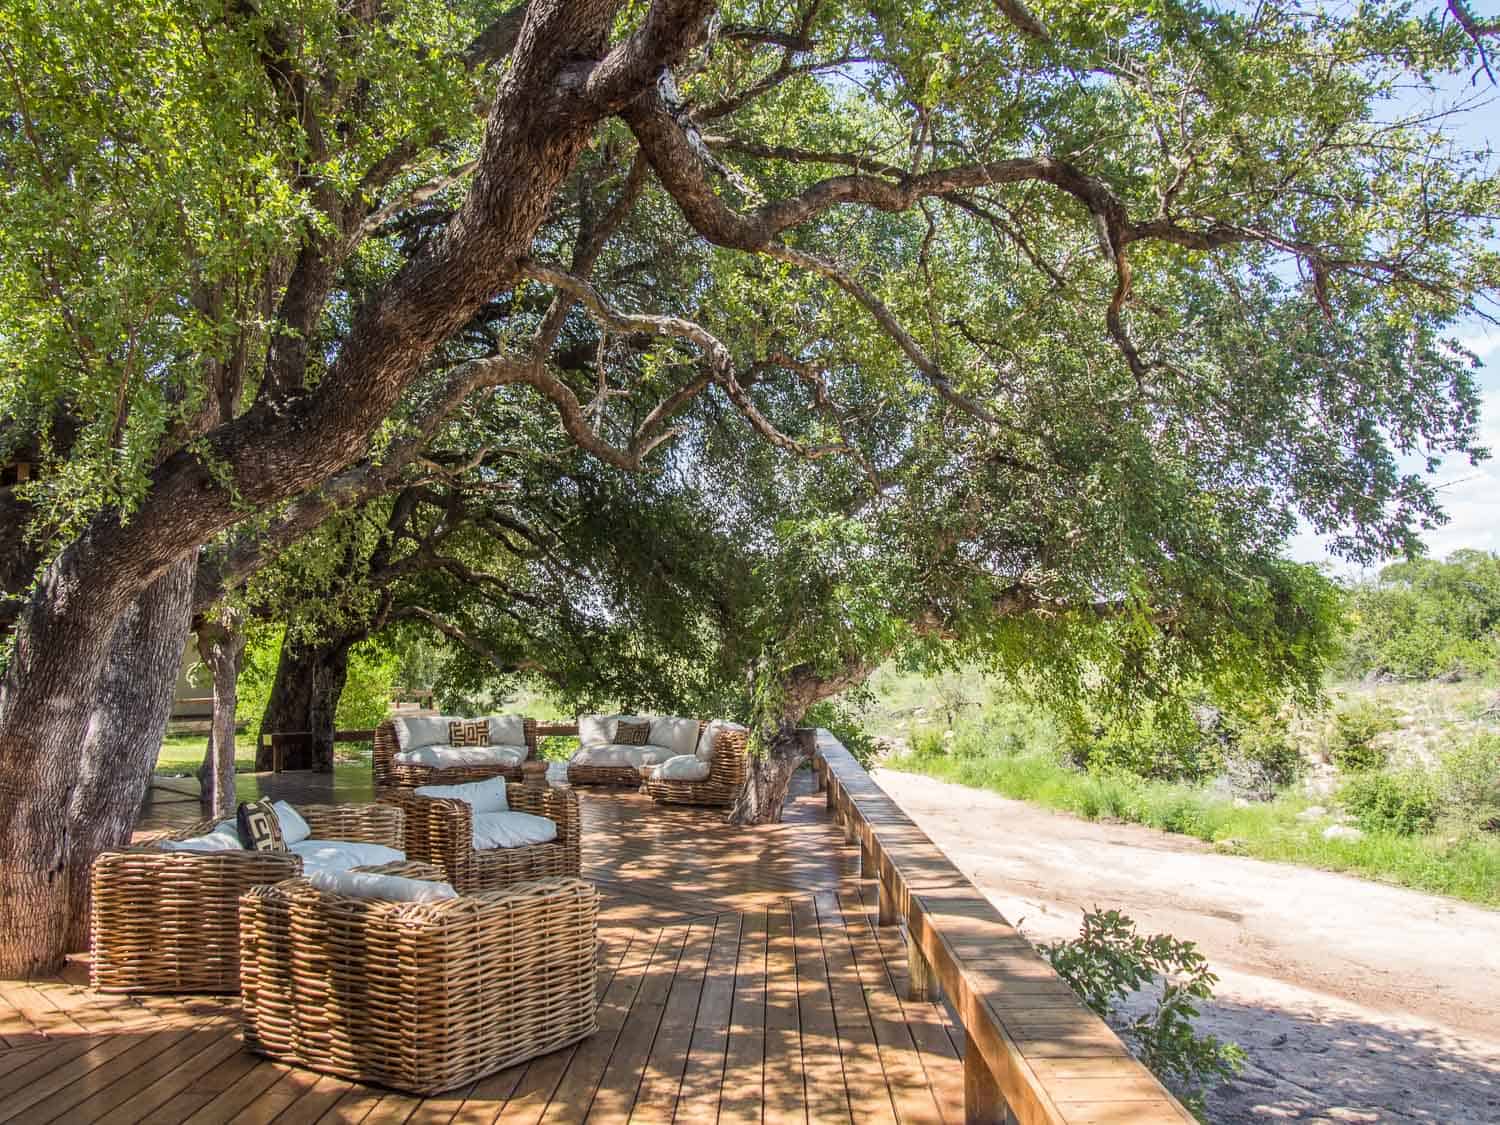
125	731
221	645
305	697
769	779
546	107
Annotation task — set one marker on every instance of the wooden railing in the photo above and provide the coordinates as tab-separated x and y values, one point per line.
1033	1053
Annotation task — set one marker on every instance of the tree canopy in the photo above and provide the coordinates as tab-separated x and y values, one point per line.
798	333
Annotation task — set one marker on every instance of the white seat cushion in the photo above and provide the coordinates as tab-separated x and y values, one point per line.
340	855
442	757
512	830
684	767
619	756
677	735
481	796
390	888
224	838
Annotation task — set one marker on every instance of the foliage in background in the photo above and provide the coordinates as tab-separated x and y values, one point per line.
1352	746
1468	783
1402	803
1427	618
366	697
1110	961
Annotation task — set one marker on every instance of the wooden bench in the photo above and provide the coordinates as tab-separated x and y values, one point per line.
1033	1053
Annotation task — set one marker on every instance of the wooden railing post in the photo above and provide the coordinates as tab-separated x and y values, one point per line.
922	981
983	1102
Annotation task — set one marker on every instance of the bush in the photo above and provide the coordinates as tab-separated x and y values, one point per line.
1262	758
1468	780
1110	960
1355	729
1401	804
1155	745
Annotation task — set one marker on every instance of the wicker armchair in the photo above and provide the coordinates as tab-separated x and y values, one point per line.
440	831
420	997
726	776
168	921
389	774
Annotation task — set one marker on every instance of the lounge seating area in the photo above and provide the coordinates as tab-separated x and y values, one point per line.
676	760
410	751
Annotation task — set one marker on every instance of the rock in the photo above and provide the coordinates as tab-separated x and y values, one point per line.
1342	832
1312	812
1241	803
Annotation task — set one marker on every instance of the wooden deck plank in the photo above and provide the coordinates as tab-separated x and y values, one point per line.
864	1077
785	1091
662	1079
44	1072
822	1064
703	1076
745	1054
239	1093
212	1050
87	1075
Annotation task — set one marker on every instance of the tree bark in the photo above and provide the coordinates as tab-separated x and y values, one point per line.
221	645
305	697
769	779
125	730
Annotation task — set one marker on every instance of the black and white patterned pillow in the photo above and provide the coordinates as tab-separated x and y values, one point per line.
462	732
259	828
632	732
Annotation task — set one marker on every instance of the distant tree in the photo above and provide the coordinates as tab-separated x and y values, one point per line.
1427	618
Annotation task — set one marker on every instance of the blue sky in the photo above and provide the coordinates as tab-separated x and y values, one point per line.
1470	493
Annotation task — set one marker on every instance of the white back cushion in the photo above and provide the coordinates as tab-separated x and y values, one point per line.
507	730
219	840
677	735
340	855
481	796
293	828
705	749
390	888
422	730
597	730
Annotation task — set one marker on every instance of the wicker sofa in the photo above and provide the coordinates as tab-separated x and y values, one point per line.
167	921
727	766
440	831
601	760
405	737
418	996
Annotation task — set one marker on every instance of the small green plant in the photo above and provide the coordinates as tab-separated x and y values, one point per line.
1468	781
1401	804
1262	758
1110	960
1352	748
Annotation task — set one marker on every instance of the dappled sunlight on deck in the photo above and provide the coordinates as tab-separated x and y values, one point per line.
742	977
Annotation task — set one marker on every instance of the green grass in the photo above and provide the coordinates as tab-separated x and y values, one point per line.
1466	867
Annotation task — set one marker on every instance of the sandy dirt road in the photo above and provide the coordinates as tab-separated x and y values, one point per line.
1356	1002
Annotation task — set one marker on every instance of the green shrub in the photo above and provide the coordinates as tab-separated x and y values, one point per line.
1401	804
1154	745
1110	960
367	689
1468	780
1262	757
1355	729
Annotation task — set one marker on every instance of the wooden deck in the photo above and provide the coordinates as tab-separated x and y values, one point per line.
742	978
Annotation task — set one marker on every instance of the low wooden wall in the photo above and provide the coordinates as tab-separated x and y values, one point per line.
1033	1052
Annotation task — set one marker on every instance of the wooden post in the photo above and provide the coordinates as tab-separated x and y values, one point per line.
885	900
983	1102
922	983
851	836
868	868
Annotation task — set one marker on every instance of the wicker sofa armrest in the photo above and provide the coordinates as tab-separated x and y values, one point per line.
379	823
559	805
731	758
529	727
439	830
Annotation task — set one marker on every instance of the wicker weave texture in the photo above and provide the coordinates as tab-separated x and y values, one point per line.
165	921
420	997
390	775
441	832
617	776
726	776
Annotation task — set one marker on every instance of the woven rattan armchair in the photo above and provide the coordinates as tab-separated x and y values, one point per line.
390	774
440	831
726	776
423	996
168	921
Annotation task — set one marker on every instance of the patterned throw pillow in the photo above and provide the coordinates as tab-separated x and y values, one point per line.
632	733
463	732
260	830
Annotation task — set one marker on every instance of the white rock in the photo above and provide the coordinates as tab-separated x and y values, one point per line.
1342	832
1312	812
